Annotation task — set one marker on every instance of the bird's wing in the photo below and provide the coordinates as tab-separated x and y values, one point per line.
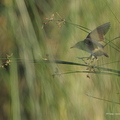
98	33
92	44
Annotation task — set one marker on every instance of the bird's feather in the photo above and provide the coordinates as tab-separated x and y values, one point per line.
92	44
98	33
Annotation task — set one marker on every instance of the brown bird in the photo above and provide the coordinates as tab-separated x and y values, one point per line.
92	43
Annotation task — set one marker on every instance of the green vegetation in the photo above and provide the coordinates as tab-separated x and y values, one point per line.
33	31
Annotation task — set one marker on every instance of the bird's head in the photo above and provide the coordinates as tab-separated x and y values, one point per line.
79	45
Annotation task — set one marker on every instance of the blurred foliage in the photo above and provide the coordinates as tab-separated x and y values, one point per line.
28	90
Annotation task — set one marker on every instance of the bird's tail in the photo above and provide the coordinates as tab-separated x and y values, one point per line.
105	54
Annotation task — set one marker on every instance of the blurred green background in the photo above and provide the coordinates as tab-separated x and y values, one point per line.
28	91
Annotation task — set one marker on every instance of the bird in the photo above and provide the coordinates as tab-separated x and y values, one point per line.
92	43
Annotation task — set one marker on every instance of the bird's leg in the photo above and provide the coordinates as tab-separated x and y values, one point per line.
89	57
95	61
92	63
92	60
